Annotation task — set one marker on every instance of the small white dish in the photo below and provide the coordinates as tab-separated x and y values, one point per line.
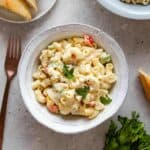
29	62
43	8
138	12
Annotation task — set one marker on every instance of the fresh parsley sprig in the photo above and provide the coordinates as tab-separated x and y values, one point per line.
68	73
105	100
130	136
83	91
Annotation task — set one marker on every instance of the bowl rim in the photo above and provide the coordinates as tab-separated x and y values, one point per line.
33	19
123	13
21	86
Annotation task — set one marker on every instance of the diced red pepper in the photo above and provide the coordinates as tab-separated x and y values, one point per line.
53	108
91	104
88	40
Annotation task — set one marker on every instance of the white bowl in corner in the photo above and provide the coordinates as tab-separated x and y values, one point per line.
43	8
137	12
28	63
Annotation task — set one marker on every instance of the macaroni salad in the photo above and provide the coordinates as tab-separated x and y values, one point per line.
144	2
75	77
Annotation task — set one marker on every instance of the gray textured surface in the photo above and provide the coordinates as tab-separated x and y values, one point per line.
22	131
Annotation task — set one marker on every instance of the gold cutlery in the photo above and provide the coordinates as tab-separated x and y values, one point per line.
11	65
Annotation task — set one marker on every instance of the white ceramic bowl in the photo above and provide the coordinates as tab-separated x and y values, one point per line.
43	8
28	64
138	12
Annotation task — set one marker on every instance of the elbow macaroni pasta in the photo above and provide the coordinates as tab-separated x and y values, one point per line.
58	91
143	2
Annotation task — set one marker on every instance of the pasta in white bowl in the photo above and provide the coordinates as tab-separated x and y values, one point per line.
143	2
74	77
48	77
132	9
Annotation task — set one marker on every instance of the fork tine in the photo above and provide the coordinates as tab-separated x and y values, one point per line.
14	46
18	47
10	46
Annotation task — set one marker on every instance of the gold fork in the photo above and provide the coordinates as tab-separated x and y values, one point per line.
11	65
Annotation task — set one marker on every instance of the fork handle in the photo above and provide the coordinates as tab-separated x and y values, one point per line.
3	112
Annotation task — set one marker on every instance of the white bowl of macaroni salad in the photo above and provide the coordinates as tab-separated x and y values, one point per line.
73	77
133	9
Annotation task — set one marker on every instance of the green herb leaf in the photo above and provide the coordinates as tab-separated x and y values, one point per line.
144	143
105	59
130	135
105	100
68	73
83	91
